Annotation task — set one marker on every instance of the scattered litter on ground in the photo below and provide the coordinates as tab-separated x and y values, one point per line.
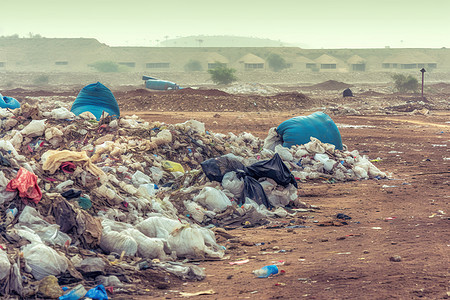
118	196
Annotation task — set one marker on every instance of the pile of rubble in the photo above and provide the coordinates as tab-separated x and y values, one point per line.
100	200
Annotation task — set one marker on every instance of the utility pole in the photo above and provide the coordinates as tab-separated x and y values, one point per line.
423	72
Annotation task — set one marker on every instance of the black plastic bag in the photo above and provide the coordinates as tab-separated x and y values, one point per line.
215	168
274	169
70	194
254	190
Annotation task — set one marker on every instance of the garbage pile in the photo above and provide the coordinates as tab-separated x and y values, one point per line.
251	88
102	199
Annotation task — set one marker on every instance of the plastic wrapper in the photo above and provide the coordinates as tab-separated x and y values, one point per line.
97	293
109	281
171	166
184	272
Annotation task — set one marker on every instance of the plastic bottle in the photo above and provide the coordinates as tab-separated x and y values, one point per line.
266	271
76	293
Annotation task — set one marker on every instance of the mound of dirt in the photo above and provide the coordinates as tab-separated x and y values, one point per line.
371	93
330	85
204	92
208	100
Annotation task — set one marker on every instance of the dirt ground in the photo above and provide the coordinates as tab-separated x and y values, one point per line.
396	244
407	217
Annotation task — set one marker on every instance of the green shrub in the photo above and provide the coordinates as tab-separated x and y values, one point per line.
405	84
41	80
192	66
221	74
276	62
105	66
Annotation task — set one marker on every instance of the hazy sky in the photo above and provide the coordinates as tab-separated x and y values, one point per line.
316	23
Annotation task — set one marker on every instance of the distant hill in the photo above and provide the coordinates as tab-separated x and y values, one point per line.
224	41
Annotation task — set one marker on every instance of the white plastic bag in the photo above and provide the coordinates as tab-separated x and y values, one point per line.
5	265
117	242
272	140
147	247
281	196
158	227
232	183
147	190
190	242
327	162
213	199
60	114
196	126
34	128
284	153
195	211
31	222
139	178
157	174
43	260
163	137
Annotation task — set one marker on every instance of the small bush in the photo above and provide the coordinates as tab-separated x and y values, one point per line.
105	66
276	62
41	80
193	66
221	74
405	84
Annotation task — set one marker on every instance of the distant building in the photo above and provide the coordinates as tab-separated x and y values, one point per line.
327	63
250	62
212	58
2	59
303	63
409	60
80	55
357	63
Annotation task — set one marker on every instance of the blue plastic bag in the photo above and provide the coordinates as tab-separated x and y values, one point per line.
299	130
162	85
8	102
96	98
97	293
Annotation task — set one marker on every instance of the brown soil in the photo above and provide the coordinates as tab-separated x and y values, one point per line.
406	217
395	246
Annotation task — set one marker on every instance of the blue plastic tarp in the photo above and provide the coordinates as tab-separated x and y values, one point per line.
161	85
299	130
96	98
9	102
